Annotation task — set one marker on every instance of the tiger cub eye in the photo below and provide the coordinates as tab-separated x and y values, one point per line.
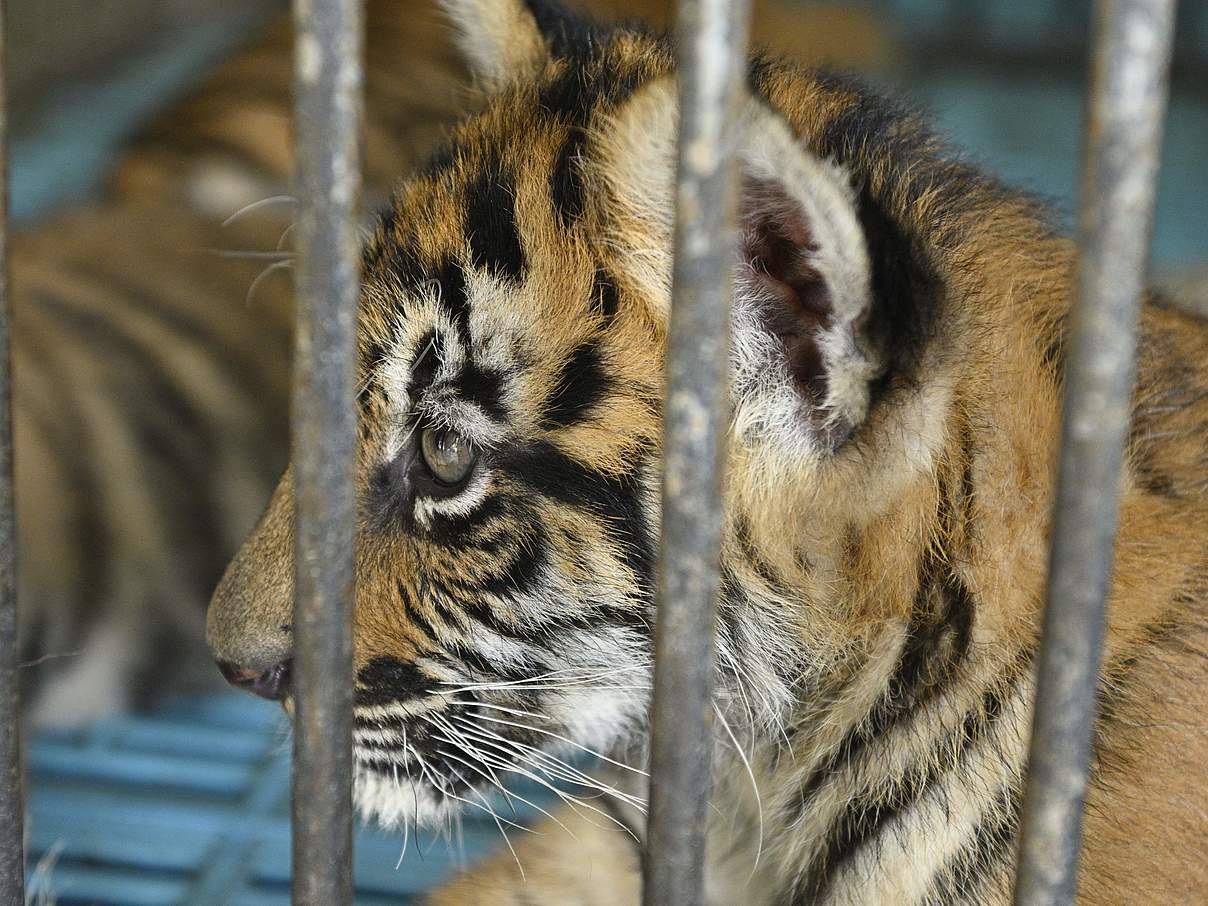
448	455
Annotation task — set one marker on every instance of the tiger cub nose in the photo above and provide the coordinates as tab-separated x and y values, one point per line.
272	683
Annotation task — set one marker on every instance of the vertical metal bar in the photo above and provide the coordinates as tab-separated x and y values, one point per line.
12	824
328	81
1130	68
713	39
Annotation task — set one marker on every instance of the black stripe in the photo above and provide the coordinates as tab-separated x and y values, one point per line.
494	669
606	299
755	559
614	498
69	435
569	33
394	253
243	370
372	356
172	433
439	161
395	722
731	606
866	816
579	388
936	646
566	182
521	572
469	531
389	498
387	679
429	353
494	238
968	487
415	615
477	609
580	88
905	293
451	279
444	601
760	70
484	387
933	650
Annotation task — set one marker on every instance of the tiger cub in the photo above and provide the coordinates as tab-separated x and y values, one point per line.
151	355
897	355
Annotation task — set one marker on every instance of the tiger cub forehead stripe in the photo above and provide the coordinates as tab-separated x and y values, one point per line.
482	386
582	383
574	95
565	180
605	296
452	295
491	231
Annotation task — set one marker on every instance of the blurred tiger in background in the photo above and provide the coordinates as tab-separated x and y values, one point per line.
151	346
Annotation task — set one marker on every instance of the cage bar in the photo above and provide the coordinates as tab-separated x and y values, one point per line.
1128	91
12	824
327	85
712	53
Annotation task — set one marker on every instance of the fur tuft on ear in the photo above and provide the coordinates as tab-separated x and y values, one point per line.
804	282
509	40
803	360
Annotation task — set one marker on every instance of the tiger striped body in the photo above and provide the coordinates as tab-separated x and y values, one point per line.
897	352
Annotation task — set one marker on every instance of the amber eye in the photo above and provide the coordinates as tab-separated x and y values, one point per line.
448	455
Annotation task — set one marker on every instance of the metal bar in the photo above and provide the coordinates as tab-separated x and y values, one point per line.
712	55
12	824
1129	77
327	84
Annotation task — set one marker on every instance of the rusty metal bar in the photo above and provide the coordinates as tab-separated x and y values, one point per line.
1129	82
12	824
328	88
712	65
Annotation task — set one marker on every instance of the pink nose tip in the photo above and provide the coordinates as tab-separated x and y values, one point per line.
272	683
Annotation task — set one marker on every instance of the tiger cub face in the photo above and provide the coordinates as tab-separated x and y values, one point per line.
511	337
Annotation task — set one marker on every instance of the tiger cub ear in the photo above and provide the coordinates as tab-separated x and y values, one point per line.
802	356
510	40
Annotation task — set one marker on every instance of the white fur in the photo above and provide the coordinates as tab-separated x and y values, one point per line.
767	401
638	145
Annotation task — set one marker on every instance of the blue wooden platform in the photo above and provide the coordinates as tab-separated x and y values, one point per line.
190	807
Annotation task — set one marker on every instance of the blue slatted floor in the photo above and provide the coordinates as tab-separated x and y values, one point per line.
190	806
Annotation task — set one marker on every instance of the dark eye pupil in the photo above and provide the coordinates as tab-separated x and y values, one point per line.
447	454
